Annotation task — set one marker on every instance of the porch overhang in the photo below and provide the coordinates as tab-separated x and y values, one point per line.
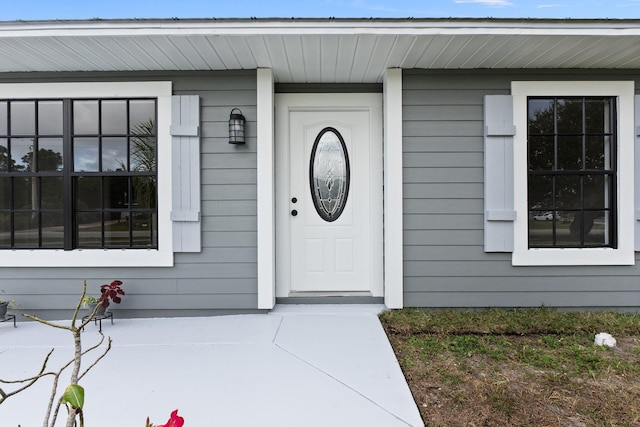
317	50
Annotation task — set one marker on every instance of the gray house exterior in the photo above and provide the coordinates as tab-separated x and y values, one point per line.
444	205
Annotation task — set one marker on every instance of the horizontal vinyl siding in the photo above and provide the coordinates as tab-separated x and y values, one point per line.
444	261
224	275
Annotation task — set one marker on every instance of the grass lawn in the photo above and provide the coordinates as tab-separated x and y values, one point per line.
536	367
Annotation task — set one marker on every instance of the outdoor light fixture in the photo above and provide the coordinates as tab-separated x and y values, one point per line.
236	127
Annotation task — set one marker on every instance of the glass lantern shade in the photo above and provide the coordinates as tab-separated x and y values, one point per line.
236	127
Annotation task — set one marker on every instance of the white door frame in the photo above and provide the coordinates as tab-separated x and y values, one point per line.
371	105
393	196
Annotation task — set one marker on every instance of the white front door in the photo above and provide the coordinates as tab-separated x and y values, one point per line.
329	194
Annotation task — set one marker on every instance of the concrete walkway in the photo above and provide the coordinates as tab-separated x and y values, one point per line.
296	366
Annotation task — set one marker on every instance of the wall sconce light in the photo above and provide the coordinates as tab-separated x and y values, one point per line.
236	127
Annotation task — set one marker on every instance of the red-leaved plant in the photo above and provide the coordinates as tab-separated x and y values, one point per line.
110	291
174	421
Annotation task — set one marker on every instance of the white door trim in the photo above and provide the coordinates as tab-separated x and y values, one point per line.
285	103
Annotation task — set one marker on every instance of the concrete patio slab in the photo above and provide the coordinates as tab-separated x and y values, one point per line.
296	366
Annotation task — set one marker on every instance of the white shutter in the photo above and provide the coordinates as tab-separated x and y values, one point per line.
637	172
185	160
499	213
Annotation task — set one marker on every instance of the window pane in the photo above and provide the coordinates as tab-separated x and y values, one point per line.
596	228
144	192
85	117
25	193
52	230
5	192
598	152
568	192
570	116
143	154
142	116
26	229
597	191
5	230
21	154
540	229
568	228
541	154
51	192
114	154
145	226
541	116
3	118
49	154
89	231
50	118
23	118
114	117
88	193
540	192
85	155
569	153
597	115
116	232
4	155
116	191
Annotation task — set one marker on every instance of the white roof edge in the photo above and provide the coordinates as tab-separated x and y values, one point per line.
311	26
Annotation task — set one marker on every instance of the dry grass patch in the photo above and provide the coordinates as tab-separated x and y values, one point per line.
519	367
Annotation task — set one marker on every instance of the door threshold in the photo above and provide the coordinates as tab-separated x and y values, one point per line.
329	299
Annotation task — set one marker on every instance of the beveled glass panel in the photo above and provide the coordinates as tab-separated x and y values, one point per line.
4	155
5	192
52	194
85	117
3	118
569	116
143	192
569	153
5	230
597	151
50	153
114	154
114	117
145	230
568	191
541	154
143	154
25	192
116	191
86	155
21	154
52	230
26	229
50	118
23	118
596	226
597	115
329	174
540	194
541	116
88	192
89	229
142	116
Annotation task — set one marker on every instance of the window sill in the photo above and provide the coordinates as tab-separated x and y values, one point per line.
573	257
86	258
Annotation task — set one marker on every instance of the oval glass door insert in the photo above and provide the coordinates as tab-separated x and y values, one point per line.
329	174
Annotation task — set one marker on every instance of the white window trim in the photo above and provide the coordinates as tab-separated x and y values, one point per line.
161	257
624	254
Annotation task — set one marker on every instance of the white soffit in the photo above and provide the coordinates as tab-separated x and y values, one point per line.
318	50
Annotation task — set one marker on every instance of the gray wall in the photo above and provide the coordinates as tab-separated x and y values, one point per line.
445	265
221	278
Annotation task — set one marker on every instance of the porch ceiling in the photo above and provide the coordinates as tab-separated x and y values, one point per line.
318	50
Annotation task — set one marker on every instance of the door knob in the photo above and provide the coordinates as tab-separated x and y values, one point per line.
294	212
